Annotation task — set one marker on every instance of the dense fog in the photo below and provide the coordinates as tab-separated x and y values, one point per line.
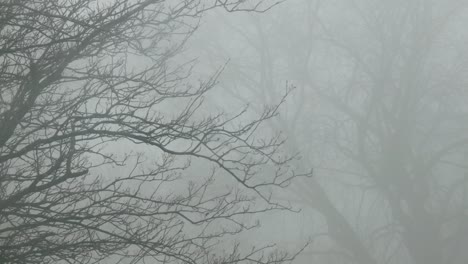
334	131
378	109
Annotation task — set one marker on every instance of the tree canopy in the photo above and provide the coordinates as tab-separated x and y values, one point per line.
80	76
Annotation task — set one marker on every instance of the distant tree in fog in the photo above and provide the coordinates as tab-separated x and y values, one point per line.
78	77
383	94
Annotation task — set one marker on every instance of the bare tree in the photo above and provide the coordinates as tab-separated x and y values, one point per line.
398	134
79	77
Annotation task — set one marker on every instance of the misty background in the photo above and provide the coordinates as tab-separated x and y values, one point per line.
377	105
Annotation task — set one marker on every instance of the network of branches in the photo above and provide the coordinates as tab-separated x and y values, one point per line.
79	76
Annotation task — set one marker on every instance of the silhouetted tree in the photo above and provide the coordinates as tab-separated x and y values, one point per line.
79	77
